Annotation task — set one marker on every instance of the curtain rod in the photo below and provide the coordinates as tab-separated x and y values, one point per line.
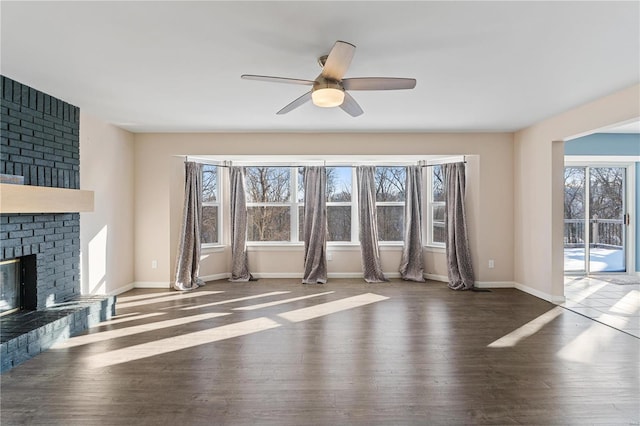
324	164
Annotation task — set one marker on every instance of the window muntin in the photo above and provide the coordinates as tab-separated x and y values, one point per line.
275	204
436	207
210	226
271	209
390	183
339	203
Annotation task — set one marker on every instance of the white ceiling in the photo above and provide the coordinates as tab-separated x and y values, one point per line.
176	66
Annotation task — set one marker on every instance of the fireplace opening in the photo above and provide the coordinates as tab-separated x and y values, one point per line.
10	286
18	285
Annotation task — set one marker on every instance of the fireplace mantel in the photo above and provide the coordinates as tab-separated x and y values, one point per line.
42	199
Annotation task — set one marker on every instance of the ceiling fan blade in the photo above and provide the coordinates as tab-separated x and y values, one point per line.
277	79
350	106
378	83
338	60
295	104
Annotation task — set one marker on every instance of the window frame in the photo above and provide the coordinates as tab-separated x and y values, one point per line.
293	204
217	204
392	204
430	207
355	225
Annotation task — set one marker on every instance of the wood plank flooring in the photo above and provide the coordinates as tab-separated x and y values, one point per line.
276	352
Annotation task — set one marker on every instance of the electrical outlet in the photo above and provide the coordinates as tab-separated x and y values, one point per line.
491	264
154	264
329	256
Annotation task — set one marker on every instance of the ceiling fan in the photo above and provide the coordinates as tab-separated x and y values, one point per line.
330	89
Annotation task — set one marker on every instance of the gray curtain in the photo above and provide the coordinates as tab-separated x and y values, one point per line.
459	268
371	265
411	265
239	258
315	225
188	262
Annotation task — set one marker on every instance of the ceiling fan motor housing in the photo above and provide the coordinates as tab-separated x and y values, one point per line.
326	83
327	93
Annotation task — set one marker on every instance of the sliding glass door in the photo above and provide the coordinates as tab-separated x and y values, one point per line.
595	219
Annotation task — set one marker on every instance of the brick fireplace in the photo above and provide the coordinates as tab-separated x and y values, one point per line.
40	142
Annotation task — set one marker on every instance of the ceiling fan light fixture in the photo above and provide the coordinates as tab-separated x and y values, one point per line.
327	97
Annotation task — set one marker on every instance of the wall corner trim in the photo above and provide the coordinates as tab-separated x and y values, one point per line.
122	289
540	294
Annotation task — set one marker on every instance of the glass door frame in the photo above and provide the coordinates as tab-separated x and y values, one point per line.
629	207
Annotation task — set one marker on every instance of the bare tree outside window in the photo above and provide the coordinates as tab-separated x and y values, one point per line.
390	196
436	207
574	206
209	228
339	203
606	206
339	184
268	203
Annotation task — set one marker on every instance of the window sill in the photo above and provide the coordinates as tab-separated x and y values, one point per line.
212	248
435	249
335	246
274	246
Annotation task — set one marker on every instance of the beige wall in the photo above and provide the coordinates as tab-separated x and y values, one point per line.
514	196
159	194
106	234
538	199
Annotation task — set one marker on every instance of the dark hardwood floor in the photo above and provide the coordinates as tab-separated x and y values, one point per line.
342	353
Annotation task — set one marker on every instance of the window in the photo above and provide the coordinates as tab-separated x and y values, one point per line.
275	204
210	227
339	203
390	196
436	207
271	210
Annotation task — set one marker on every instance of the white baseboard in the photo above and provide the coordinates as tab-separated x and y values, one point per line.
478	284
495	284
277	275
435	277
215	277
329	275
352	275
540	294
152	284
121	290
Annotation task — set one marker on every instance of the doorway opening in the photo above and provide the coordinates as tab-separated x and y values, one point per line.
596	219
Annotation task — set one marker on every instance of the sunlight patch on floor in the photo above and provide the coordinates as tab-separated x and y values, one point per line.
189	340
279	302
119	320
182	341
129	331
587	291
527	330
144	296
331	307
171	298
239	299
628	305
589	343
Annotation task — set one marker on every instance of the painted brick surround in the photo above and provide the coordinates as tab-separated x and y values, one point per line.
40	141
